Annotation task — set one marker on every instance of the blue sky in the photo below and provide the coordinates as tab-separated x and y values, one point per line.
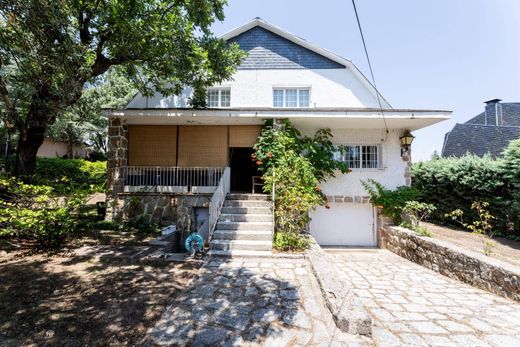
437	54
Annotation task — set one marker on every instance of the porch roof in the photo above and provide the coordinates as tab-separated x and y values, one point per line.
345	117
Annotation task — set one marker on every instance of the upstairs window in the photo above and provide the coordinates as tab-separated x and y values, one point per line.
291	97
359	156
219	97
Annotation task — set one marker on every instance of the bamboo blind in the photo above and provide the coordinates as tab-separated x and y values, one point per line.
243	135
202	145
152	145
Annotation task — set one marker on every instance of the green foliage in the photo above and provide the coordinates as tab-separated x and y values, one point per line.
84	122
69	175
390	202
290	242
510	166
49	51
317	149
480	226
294	165
455	183
418	211
33	212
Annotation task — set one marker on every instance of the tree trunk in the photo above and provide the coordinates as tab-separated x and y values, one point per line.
31	138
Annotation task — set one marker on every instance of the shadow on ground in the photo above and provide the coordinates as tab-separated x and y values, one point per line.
229	306
79	302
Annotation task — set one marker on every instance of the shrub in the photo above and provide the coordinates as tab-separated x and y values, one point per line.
33	212
455	183
294	165
69	175
390	202
291	242
510	166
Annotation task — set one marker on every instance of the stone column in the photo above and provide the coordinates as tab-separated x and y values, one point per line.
117	158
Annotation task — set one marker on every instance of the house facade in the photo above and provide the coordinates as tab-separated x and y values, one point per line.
488	132
164	154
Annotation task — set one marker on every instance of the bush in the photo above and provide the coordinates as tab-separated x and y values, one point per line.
69	175
511	168
455	183
291	242
390	202
33	212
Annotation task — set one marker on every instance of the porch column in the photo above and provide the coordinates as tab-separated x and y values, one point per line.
117	158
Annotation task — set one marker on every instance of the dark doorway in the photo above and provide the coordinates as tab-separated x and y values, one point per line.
243	168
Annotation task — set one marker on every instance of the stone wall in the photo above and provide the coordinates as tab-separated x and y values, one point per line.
117	158
470	267
155	208
346	307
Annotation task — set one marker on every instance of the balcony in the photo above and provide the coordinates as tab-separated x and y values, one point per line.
176	180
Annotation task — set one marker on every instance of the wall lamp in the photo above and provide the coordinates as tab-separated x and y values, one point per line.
406	141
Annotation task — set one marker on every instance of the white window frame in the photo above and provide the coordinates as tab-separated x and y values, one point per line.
284	96
361	164
219	97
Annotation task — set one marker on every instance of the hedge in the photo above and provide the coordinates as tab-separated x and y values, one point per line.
454	183
68	175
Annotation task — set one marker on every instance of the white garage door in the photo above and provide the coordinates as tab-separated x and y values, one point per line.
344	225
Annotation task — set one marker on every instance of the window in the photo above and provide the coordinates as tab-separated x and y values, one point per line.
291	97
219	97
359	156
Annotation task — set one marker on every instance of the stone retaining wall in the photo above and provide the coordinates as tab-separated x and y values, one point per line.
476	269
155	207
347	309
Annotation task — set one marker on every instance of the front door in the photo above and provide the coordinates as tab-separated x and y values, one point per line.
243	168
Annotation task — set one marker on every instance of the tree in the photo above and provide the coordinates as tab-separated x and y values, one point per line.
84	121
50	49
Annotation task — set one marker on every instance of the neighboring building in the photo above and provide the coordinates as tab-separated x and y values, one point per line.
168	154
487	133
58	149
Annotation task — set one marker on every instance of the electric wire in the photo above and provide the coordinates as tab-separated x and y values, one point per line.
369	65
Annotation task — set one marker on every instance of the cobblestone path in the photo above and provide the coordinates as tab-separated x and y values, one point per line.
265	302
413	306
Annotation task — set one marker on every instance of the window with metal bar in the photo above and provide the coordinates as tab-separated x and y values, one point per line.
359	156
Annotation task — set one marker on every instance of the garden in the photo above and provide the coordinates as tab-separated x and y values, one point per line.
473	202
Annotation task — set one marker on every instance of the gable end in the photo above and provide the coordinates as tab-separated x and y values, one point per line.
267	50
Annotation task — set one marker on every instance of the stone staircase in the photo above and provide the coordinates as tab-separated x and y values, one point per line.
244	228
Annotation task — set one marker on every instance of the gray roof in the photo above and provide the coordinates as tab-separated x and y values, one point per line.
267	50
477	137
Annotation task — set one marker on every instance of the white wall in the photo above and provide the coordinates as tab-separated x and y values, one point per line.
391	175
58	149
254	88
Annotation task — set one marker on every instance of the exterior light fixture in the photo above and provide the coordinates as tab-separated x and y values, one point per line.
406	141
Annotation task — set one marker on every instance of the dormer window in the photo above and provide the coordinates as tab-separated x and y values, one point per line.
219	97
291	97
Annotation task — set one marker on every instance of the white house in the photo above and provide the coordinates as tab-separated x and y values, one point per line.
282	77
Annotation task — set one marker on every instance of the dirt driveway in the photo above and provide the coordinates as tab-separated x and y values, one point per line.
78	301
413	306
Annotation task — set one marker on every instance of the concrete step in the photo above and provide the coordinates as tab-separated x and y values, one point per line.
249	217
244	210
247	203
239	254
261	197
244	245
264	226
243	235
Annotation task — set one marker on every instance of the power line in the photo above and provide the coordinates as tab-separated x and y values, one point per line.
369	64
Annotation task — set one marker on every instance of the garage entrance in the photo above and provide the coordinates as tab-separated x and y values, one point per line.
344	225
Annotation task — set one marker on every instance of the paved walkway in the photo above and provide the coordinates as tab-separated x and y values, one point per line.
413	306
270	302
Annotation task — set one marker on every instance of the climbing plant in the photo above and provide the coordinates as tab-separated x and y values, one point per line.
294	165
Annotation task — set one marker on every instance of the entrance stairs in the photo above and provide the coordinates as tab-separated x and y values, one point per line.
245	227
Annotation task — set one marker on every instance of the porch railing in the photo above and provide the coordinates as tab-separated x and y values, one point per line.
172	176
217	200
